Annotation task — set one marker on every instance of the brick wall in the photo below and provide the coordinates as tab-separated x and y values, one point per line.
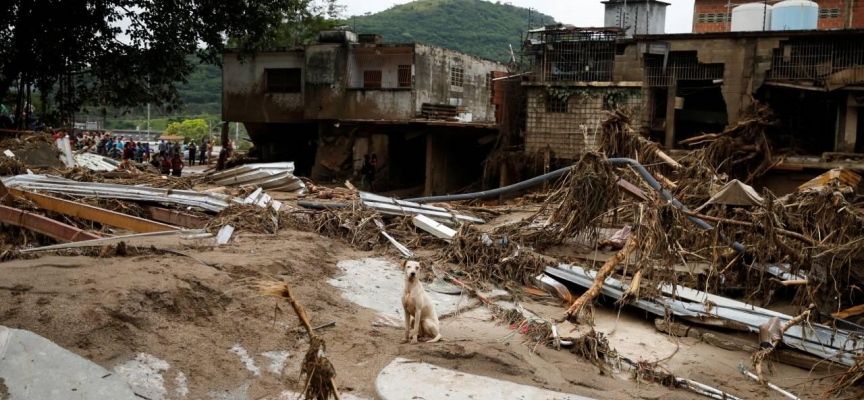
562	132
715	7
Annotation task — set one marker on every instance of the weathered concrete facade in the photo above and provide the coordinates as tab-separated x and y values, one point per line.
701	82
245	95
578	76
341	100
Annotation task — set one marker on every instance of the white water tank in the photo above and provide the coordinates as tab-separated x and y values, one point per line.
793	15
751	17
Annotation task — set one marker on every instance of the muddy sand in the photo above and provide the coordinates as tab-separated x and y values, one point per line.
181	330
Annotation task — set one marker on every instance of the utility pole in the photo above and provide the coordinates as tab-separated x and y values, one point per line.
236	133
148	121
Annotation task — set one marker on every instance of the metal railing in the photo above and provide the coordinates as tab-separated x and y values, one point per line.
574	54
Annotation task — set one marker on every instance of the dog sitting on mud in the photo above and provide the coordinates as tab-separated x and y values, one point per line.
420	316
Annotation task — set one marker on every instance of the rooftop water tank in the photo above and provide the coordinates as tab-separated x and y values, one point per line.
793	15
751	17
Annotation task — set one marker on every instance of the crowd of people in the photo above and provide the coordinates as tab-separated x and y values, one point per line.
167	156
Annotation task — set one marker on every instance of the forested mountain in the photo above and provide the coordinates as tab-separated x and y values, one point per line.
477	27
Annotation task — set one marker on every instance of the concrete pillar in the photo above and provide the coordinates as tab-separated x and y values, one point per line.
436	165
669	143
848	132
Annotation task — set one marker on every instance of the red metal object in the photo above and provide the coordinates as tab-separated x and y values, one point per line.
43	225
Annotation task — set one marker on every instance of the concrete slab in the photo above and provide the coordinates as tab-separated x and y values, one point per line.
406	379
377	284
32	367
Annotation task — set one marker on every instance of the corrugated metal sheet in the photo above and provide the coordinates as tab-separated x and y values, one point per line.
277	176
386	205
53	184
834	344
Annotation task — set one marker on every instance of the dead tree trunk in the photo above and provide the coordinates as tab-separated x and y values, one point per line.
604	272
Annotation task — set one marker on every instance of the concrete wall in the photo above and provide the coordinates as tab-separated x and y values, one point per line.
745	62
571	133
244	97
432	81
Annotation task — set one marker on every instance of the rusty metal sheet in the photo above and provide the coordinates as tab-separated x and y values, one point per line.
176	217
91	213
43	225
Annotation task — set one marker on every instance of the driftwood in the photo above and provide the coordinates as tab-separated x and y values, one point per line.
604	271
320	382
763	353
784	232
849	312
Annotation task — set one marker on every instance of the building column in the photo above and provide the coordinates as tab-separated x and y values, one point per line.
847	134
436	165
669	143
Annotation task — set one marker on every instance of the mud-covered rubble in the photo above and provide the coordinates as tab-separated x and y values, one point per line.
688	241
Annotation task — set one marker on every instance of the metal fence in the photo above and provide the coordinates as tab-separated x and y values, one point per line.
572	54
663	71
818	59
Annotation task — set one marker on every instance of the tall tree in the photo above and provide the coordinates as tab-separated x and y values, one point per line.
126	53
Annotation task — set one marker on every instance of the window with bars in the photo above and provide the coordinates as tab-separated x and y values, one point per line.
404	76
555	104
380	68
372	79
489	81
713	17
457	76
826	13
283	80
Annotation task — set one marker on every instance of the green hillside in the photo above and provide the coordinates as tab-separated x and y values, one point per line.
477	27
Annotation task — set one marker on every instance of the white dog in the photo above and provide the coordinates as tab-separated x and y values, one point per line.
419	309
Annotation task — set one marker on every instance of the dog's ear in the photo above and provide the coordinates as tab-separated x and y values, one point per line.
402	264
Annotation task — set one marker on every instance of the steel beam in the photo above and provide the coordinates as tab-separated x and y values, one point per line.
90	213
43	225
176	217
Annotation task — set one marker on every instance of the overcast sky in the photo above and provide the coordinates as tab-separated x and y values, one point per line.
679	15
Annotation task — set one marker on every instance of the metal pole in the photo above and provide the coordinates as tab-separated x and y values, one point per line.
148	121
236	133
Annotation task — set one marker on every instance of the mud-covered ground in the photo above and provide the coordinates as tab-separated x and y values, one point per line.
218	338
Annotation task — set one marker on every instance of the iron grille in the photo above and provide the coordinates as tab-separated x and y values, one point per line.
380	67
820	60
680	66
572	55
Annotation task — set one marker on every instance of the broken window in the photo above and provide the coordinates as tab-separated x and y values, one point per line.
372	79
556	104
404	76
283	80
457	75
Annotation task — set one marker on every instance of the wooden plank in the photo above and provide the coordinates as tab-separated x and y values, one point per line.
43	225
5	197
176	217
94	214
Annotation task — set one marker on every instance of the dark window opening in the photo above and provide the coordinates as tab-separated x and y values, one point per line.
372	79
283	80
404	76
556	105
457	75
620	49
829	13
489	81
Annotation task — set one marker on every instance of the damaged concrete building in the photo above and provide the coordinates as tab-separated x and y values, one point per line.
682	85
697	83
577	74
417	108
